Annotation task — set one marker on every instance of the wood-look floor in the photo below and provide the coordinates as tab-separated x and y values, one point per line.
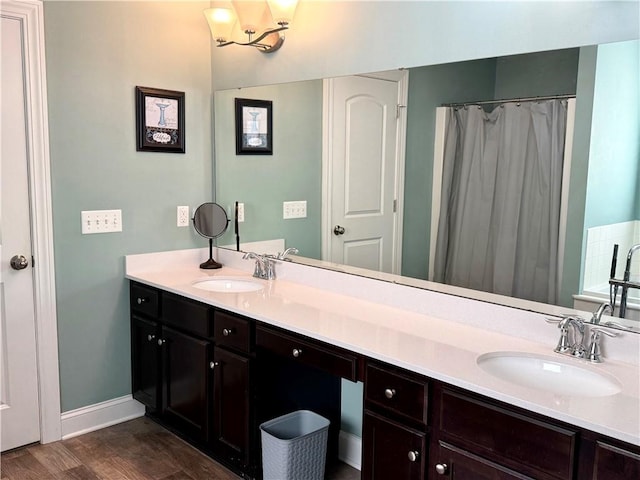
135	450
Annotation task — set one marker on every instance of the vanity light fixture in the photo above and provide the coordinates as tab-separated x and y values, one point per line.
252	15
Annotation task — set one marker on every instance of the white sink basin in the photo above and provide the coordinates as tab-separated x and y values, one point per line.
551	375
228	285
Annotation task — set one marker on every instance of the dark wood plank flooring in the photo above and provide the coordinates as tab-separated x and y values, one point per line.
136	450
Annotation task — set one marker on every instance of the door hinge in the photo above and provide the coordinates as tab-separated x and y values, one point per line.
398	107
395	205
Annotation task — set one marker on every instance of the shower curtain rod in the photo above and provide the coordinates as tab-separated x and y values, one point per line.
506	100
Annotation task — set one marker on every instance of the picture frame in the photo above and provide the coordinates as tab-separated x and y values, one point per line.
159	120
254	127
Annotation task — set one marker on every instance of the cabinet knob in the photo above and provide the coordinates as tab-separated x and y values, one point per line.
441	468
227	331
161	341
390	392
150	337
296	352
213	365
413	455
141	300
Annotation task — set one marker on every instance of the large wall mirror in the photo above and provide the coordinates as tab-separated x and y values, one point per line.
603	184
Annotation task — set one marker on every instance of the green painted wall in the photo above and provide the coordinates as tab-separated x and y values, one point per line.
97	52
263	182
614	157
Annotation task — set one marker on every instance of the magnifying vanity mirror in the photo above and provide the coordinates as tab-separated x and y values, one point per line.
597	213
210	220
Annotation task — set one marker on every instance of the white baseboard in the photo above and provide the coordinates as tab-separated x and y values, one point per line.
350	449
100	415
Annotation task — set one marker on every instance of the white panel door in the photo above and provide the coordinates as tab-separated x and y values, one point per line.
19	409
363	171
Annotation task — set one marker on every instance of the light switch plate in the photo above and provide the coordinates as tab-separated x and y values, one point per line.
297	209
101	221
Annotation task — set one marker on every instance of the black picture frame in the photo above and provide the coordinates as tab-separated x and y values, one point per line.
254	127
159	120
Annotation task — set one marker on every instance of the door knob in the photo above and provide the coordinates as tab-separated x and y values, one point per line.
413	455
441	468
19	262
338	230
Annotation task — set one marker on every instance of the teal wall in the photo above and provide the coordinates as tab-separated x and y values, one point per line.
97	52
263	182
614	158
537	74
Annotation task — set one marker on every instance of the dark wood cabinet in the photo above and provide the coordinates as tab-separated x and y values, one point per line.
615	463
391	449
394	443
186	362
145	366
459	464
231	410
213	376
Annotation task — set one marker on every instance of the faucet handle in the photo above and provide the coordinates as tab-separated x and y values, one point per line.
594	347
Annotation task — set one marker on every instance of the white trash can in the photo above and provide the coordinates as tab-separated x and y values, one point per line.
294	446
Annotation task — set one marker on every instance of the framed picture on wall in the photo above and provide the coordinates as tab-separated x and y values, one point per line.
159	120
254	127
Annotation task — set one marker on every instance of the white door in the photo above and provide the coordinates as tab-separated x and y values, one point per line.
19	409
365	172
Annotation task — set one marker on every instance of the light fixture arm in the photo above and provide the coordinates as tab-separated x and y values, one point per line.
275	40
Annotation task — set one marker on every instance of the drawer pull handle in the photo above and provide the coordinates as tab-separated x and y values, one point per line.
297	352
213	365
413	455
150	337
227	331
142	300
441	468
161	341
390	392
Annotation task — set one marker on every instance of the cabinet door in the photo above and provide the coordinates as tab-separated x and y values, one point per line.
613	463
145	362
231	405
391	450
457	464
186	397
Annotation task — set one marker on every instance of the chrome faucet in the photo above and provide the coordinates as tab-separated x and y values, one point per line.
288	251
597	315
265	267
571	336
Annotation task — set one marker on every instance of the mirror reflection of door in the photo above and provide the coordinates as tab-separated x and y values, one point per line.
364	171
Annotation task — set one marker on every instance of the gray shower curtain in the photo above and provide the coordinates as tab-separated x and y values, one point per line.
500	207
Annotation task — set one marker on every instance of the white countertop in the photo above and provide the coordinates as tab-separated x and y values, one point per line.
425	343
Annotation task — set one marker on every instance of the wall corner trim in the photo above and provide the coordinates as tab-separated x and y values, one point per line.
100	415
350	449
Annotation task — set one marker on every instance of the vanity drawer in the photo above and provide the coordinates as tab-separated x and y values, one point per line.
332	360
187	315
144	300
396	391
526	444
232	331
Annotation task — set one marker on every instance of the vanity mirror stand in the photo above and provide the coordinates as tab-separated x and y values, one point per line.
210	220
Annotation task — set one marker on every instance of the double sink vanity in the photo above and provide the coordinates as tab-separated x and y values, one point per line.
453	388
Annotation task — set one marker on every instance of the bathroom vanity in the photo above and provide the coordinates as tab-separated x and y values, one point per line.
211	365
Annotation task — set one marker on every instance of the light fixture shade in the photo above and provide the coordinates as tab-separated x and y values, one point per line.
282	11
250	14
221	22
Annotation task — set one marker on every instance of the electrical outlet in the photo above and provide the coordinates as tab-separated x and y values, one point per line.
183	216
296	209
240	212
101	221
